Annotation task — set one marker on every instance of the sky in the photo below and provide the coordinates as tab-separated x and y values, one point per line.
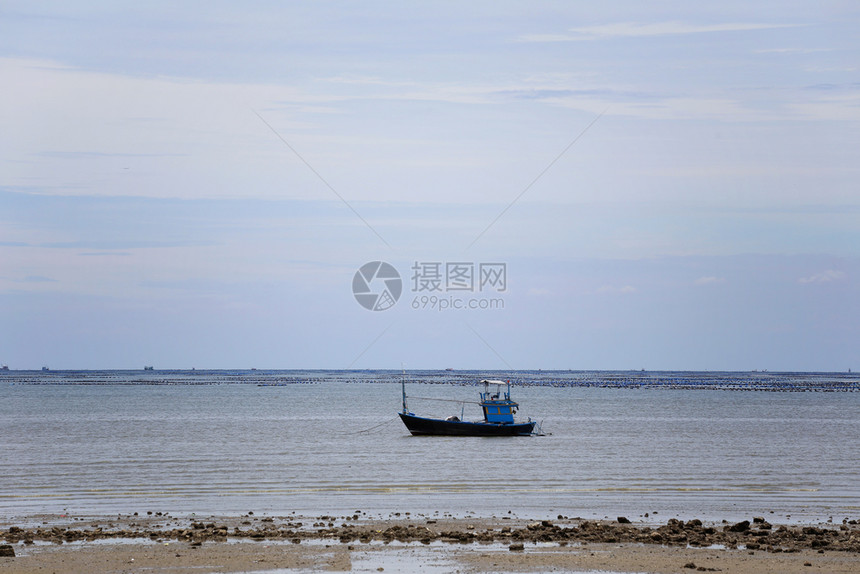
549	185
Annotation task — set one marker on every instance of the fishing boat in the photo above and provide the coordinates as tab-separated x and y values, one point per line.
497	407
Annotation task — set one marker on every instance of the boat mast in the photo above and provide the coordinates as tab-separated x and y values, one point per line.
403	390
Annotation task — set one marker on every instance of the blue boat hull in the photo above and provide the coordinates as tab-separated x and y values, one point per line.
425	426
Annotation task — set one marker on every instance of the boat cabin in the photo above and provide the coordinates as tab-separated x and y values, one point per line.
497	405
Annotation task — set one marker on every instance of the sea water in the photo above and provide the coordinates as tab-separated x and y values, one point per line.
318	443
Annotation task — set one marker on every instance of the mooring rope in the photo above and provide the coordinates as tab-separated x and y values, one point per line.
389	421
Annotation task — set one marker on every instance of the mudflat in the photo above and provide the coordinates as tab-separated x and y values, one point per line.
163	543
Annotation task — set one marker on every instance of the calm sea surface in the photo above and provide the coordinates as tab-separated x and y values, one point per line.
675	444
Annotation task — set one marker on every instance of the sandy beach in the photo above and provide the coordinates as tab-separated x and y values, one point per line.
162	543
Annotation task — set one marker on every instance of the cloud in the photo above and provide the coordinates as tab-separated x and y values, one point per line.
829	108
621	290
99	154
792	51
115	134
709	280
639	30
124	244
824	277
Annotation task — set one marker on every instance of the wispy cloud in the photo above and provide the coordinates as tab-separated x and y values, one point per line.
709	280
824	277
124	244
792	51
835	108
640	30
101	154
619	290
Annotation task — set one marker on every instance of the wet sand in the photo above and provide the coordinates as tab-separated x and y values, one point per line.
162	543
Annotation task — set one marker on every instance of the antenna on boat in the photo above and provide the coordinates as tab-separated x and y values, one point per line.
403	387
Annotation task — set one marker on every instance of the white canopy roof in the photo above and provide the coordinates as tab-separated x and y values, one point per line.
493	382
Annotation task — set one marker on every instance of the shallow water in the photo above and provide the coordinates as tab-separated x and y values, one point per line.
217	443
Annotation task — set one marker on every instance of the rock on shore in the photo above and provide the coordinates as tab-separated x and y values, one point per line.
754	535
